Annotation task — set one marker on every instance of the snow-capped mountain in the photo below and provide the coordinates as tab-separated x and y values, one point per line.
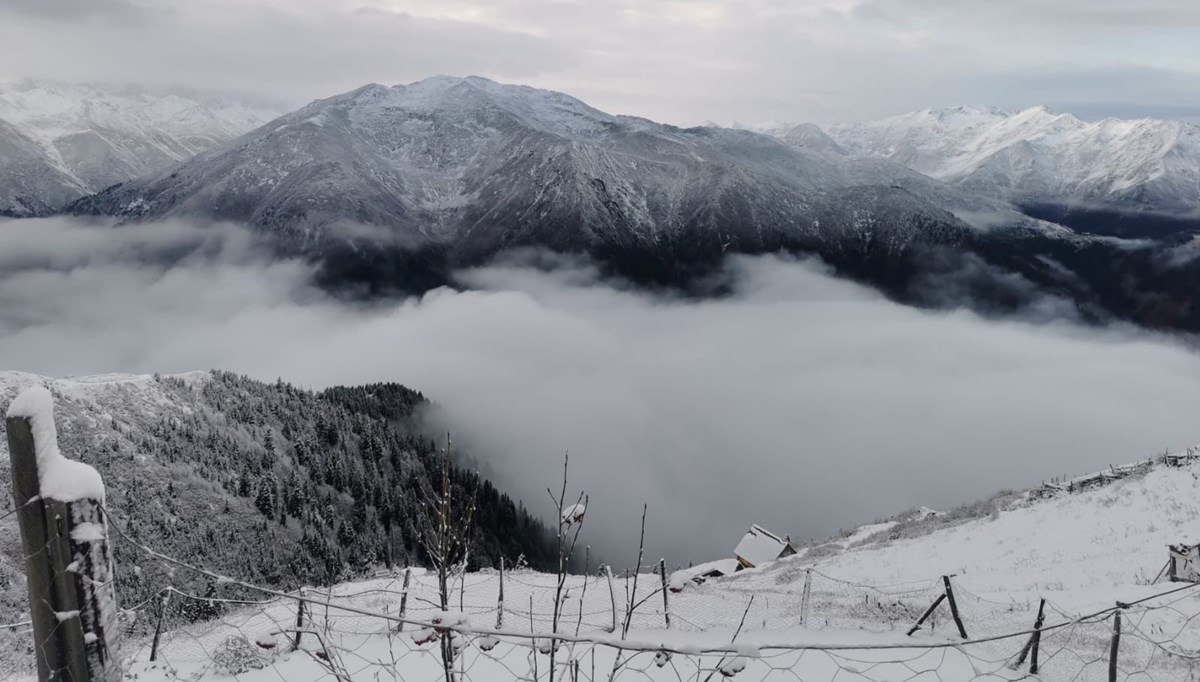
88	137
393	187
474	166
1037	156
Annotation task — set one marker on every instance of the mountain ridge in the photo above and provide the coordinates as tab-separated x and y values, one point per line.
99	135
1036	156
465	167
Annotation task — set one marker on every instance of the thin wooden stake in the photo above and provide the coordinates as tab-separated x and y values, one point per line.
805	599
962	632
1037	627
662	570
928	612
1037	639
500	599
162	613
1116	645
300	606
404	598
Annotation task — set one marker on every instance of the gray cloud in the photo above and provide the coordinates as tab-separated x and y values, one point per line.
297	51
80	11
801	402
680	62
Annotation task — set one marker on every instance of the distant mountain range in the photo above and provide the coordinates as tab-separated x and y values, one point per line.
462	168
60	141
392	188
1051	164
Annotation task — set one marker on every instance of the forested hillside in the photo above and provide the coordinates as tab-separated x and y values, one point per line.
266	482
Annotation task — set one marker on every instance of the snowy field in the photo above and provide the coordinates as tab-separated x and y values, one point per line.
840	610
834	617
774	641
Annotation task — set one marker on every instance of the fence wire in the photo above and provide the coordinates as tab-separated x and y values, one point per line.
807	626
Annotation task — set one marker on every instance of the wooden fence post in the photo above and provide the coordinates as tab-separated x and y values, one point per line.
1037	630
1116	645
662	570
300	606
68	567
1037	638
928	612
954	607
404	598
500	599
804	600
162	614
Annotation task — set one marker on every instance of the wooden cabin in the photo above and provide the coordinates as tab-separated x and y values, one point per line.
760	546
1183	564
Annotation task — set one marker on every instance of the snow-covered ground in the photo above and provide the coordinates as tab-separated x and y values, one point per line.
1082	552
791	619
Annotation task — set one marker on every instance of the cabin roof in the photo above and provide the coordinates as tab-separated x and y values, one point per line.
759	545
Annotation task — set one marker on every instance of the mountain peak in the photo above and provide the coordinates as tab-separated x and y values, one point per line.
459	98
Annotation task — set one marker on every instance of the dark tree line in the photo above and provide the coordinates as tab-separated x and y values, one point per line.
279	486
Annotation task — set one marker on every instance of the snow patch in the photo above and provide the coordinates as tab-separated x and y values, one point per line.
59	478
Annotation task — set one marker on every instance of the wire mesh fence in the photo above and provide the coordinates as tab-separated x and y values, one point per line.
793	623
807	626
1157	643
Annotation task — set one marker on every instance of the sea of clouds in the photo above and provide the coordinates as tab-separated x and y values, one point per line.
800	401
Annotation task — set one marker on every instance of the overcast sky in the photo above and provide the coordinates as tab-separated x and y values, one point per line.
679	61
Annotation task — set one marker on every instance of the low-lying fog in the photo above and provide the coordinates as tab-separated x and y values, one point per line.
801	402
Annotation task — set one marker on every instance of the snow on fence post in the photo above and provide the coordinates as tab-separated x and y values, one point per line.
500	599
662	573
612	593
1116	645
64	533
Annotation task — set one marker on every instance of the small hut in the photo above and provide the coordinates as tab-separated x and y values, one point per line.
760	546
1183	564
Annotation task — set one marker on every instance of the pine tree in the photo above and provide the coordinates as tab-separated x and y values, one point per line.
265	499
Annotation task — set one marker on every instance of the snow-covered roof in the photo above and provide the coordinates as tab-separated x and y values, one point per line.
759	545
722	566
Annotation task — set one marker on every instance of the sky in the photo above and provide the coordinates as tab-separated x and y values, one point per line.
801	402
677	61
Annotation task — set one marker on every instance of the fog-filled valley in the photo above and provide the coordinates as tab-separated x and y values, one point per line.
798	400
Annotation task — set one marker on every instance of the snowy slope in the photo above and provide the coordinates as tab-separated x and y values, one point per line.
266	481
99	135
31	183
1078	547
1037	155
1082	552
